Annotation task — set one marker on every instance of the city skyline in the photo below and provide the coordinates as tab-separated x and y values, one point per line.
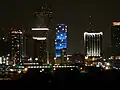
58	41
74	14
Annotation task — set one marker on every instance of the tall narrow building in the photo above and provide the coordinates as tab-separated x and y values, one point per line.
115	39
92	42
17	46
43	19
61	40
40	47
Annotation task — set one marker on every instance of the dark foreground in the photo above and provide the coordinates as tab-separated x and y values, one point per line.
70	78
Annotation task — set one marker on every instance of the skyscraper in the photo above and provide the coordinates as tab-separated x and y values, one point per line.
61	40
43	19
40	48
41	44
93	44
17	46
115	38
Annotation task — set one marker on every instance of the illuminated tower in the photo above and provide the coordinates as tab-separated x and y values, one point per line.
43	16
43	19
17	46
41	44
115	38
92	42
61	40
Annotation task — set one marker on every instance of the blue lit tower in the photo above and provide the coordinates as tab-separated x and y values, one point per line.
61	39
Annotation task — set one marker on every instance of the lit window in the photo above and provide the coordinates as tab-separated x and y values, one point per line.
59	26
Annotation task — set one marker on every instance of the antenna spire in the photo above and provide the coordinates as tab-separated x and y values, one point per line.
90	22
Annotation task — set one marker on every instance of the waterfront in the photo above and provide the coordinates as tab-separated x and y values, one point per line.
61	73
70	78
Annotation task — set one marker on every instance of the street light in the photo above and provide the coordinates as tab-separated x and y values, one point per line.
26	69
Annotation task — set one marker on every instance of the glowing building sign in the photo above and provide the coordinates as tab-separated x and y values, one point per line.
61	39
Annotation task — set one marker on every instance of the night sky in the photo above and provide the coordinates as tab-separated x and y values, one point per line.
75	14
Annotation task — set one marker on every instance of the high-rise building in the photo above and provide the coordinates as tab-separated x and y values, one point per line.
43	16
40	48
61	40
115	38
41	45
43	19
93	44
18	47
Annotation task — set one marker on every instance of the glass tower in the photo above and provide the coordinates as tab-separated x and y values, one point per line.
61	39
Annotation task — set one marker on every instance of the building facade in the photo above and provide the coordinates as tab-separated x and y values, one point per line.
61	40
40	49
93	44
17	46
115	39
40	45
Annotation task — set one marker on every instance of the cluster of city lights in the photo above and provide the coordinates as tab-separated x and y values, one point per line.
5	59
16	32
19	70
116	68
92	42
31	63
52	66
